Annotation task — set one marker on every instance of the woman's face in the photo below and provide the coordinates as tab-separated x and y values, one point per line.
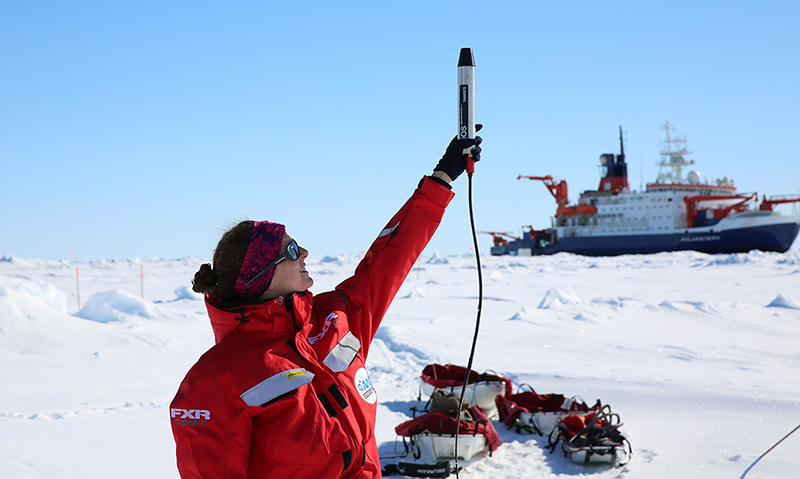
290	276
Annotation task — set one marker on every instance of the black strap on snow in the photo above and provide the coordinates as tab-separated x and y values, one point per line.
410	469
768	450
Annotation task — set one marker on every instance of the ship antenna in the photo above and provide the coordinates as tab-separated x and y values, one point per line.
641	171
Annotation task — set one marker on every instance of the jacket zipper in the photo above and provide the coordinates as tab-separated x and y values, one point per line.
289	302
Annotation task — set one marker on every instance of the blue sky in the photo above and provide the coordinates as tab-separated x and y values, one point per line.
138	129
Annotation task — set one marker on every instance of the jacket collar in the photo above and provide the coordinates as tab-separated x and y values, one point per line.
278	315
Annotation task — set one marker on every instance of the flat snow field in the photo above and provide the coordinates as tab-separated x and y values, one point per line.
698	354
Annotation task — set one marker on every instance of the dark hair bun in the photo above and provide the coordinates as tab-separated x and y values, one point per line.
205	280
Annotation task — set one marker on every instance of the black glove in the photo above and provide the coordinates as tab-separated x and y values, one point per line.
454	162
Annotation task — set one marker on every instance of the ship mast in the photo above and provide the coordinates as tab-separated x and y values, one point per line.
673	158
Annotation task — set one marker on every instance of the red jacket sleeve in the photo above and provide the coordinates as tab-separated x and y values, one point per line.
390	258
212	429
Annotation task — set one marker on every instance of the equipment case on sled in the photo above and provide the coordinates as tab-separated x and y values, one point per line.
540	413
481	389
432	435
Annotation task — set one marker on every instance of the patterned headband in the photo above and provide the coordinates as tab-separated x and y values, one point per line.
265	246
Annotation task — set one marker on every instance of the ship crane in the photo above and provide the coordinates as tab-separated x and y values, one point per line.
767	204
558	190
693	202
499	238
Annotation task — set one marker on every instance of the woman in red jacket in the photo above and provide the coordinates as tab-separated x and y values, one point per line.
285	393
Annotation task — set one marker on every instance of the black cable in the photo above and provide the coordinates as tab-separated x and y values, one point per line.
477	320
768	451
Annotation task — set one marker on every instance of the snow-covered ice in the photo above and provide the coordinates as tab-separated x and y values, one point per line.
699	355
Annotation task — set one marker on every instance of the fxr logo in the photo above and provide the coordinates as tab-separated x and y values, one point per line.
191	413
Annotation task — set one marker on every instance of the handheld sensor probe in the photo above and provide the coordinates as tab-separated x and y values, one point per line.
466	129
466	101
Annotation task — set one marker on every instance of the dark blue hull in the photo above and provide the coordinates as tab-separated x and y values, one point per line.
776	237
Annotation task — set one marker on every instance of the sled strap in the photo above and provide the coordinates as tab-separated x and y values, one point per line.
551	443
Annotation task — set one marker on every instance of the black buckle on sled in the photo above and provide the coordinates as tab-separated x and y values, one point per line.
411	469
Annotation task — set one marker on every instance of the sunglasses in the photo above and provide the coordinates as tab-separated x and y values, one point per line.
292	254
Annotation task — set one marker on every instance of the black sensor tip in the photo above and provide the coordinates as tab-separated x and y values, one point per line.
465	59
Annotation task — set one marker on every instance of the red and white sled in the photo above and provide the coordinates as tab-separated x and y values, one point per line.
540	413
432	435
594	438
481	389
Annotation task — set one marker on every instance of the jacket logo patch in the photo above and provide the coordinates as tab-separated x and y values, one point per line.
190	417
365	387
332	318
294	374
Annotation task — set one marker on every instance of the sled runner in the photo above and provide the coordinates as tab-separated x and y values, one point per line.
539	413
481	389
432	435
593	438
411	469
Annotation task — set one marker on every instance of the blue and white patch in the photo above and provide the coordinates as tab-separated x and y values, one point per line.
365	387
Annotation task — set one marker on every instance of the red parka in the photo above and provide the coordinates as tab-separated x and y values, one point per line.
285	393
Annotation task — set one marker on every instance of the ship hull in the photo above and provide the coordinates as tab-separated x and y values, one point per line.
777	237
